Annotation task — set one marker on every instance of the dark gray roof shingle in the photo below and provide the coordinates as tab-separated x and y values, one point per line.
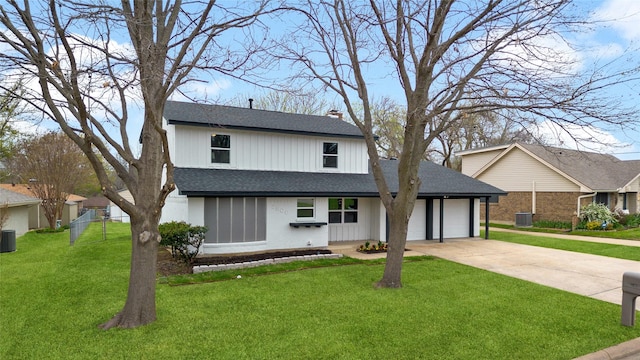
597	171
436	181
219	116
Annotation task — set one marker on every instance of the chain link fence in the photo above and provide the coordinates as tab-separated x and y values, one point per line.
77	226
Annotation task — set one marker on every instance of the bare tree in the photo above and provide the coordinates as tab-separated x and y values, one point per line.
286	100
10	109
477	130
388	124
443	55
54	166
4	215
88	82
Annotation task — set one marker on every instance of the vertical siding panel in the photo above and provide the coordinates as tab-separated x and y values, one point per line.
268	151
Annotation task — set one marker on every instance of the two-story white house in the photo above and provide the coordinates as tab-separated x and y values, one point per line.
265	180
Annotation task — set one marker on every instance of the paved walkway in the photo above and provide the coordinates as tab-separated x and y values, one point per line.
599	277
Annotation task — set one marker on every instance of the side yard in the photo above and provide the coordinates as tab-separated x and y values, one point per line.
52	297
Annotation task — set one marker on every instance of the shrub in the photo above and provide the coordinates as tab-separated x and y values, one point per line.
50	231
594	225
184	239
630	220
552	224
597	212
633	220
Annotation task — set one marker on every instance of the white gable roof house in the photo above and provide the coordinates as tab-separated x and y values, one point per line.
551	183
265	180
17	206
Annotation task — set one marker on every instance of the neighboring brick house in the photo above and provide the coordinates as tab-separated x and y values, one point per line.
552	183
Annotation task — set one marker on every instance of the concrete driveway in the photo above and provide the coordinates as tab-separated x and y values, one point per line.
599	277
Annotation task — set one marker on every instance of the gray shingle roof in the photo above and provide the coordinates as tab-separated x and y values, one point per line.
436	181
597	171
219	116
12	198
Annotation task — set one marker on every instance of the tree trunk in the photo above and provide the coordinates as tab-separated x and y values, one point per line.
49	214
140	307
392	277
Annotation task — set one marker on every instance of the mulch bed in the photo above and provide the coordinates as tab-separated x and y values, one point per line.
167	265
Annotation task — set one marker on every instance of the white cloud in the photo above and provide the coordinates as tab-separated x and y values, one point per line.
587	138
28	128
201	90
93	79
622	16
550	54
606	51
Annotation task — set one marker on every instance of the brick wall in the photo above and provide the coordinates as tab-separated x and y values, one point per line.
557	206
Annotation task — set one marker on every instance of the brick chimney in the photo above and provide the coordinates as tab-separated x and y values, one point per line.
335	114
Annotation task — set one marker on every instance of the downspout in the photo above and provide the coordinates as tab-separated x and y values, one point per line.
533	197
582	197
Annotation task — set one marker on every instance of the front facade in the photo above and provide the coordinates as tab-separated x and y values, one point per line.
553	183
263	180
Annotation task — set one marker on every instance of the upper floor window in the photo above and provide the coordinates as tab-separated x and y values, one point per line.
330	155
306	208
343	211
220	149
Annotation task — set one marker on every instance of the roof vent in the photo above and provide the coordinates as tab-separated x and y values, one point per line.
250	103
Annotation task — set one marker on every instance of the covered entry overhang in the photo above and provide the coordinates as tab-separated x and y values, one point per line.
448	202
446	216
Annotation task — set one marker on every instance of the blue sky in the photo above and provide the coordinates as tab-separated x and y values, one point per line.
605	42
615	34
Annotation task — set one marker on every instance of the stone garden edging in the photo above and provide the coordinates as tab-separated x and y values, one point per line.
222	267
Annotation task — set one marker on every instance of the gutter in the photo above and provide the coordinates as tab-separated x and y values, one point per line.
583	197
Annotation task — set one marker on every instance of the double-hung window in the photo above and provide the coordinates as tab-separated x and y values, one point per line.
220	149
330	155
343	211
306	209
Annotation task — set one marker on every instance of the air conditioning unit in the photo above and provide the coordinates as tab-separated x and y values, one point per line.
524	219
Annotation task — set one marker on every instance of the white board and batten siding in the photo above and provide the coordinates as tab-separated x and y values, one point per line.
267	151
456	219
529	171
116	212
279	234
362	230
417	230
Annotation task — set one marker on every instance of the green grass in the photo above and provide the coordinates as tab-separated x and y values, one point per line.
527	229
628	234
552	224
610	250
52	298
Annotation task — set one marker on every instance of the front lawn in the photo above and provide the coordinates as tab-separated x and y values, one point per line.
628	234
604	249
52	298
